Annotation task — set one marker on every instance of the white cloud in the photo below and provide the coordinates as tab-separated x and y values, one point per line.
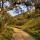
6	4
20	9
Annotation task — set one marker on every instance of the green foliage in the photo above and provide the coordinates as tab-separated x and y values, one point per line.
34	31
28	3
6	31
33	25
30	22
7	34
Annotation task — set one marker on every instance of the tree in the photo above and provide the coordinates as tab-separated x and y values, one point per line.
36	3
4	16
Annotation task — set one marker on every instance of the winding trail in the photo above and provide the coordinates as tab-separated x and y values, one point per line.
21	35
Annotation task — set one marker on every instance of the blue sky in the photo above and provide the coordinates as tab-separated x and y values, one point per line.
21	8
6	4
15	11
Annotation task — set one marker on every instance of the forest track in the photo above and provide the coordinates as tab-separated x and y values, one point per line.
21	35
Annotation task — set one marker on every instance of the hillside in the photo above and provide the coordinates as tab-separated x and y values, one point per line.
19	20
29	22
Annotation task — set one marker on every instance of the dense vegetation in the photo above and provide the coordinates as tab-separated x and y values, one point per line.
28	22
5	30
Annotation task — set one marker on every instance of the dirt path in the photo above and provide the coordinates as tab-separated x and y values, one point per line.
21	35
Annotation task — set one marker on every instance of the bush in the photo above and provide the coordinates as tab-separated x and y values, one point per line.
7	34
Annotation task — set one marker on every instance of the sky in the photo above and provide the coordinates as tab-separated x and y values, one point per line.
20	9
15	11
6	4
